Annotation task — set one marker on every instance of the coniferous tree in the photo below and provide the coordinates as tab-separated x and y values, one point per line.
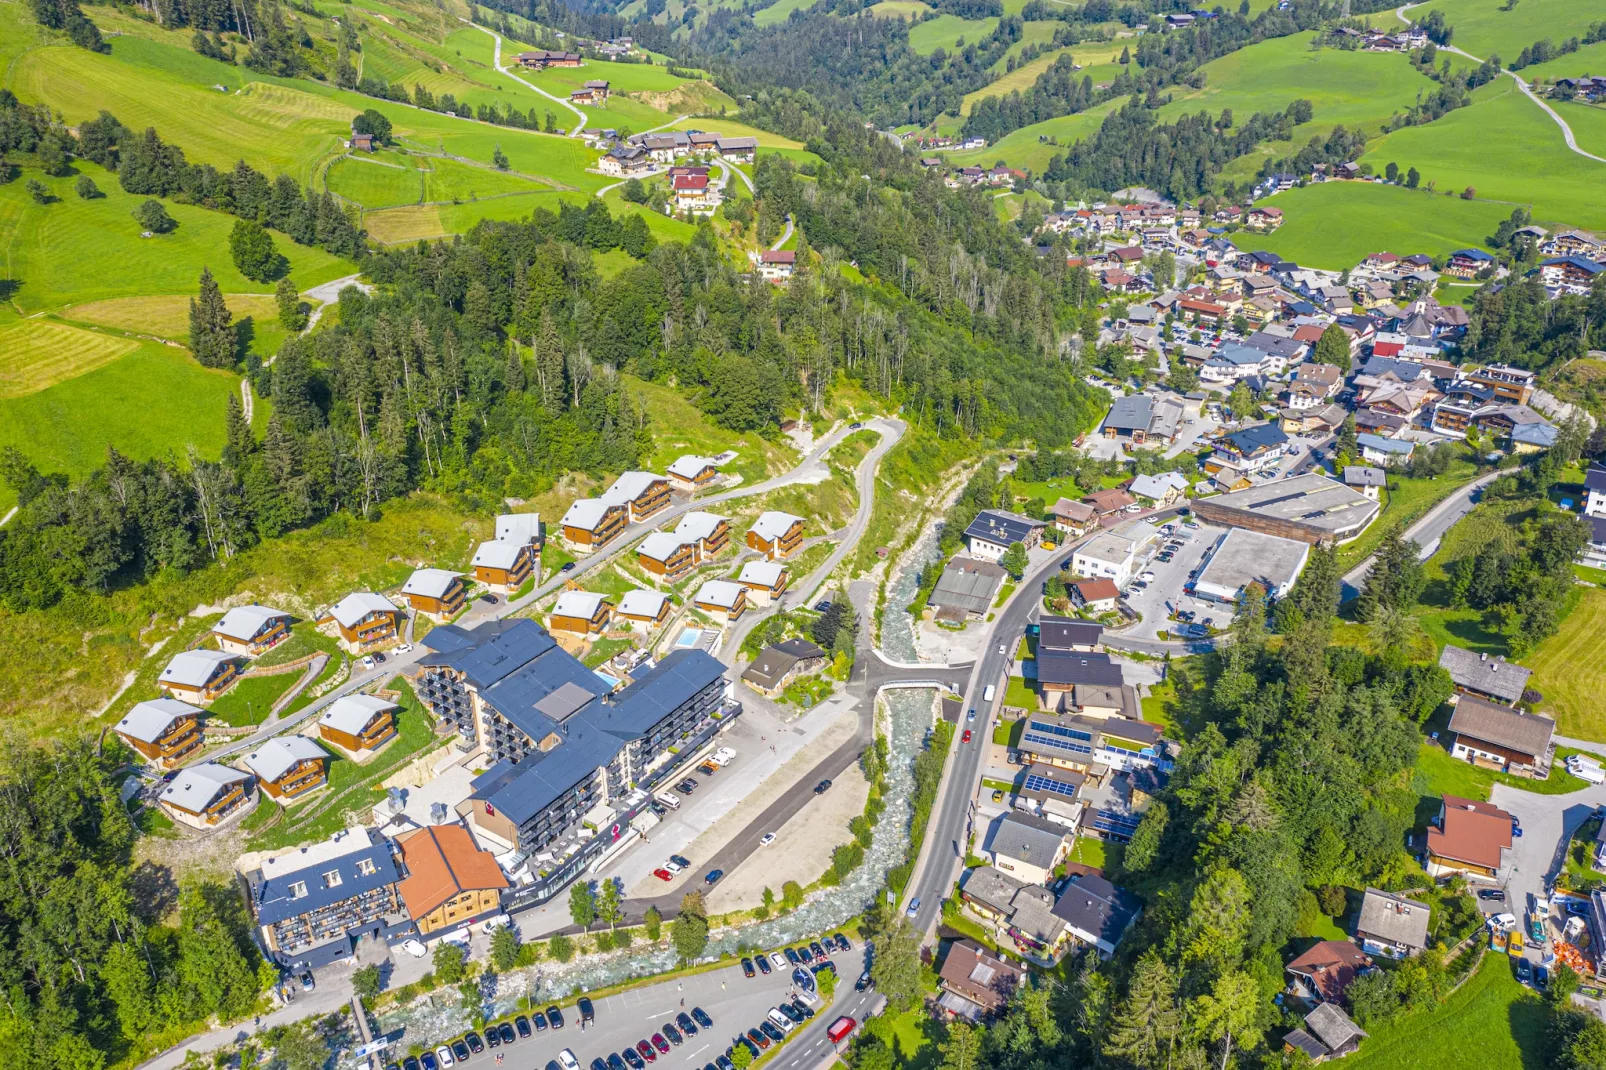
1146	1027
291	315
212	337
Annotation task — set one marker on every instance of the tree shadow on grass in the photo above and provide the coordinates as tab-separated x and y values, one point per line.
1529	1022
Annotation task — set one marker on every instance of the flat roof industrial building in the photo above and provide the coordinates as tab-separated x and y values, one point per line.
1242	557
1311	508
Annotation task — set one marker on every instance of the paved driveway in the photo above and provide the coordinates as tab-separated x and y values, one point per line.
1548	822
1169	579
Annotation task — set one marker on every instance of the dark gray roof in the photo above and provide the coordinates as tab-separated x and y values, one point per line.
1063	633
968	584
1029	839
1407	371
1486	675
992	886
1069	668
1002	526
271	884
1332	1026
1393	918
1092	905
1525	733
489	653
1595	478
774	662
1275	345
1132	413
1251	440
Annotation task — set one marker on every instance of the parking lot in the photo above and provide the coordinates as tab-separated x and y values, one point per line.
1156	601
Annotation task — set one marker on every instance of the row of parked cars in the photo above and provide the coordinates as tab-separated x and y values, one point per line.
509	1031
803	955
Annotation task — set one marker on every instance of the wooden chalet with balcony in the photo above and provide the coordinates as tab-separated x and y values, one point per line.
642	610
250	630
435	592
708	531
667	555
288	767
164	731
644	494
450	880
592	523
520	527
776	535
765	581
580	613
359	723
199	675
363	620
722	600
204	796
692	473
504	565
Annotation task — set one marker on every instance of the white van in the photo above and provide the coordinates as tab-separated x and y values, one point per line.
669	799
987	695
782	1022
723	756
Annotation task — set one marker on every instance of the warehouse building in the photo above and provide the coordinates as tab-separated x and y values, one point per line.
1311	508
1242	557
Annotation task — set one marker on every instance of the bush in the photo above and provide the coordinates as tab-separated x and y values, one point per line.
152	216
1332	899
254	253
85	187
36	189
561	948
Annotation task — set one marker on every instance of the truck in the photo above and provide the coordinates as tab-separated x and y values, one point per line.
841	1029
988	693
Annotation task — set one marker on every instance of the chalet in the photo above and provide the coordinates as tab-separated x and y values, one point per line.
1494	736
503	564
598	89
765	581
520	527
643	494
1235	361
358	723
1109	501
708	531
1466	263
691	473
1515	385
1097	912
667	555
543	58
450	881
741	149
1073	518
364	619
203	796
1327	1033
642	610
1201	311
702	141
250	630
966	589
164	731
591	523
435	592
776	535
690	191
1143	418
663	148
1569	274
1095	595
1253	449
777	265
199	675
721	600
1468	838
778	664
625	160
1494	679
1391	925
1573	243
361	143
1162	490
289	766
313	903
1263	218
1029	848
581	613
1385	452
976	982
994	531
1324	971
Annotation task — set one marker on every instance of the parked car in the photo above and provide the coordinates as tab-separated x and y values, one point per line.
428	1061
492	1038
660	1043
763	964
475	1044
687	1026
444	1054
1492	895
747	968
567	567
770	1030
821	607
681	861
634	1061
687	786
644	1049
554	1017
588	1013
506	1029
792	956
822	787
914	908
702	1018
998	795
802	1008
760	1039
522	1024
460	1051
821	951
778	960
805	954
663	874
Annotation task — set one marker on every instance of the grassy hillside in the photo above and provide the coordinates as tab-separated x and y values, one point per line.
946	31
1590	59
1025	148
781	11
1335	224
1588	124
1482	27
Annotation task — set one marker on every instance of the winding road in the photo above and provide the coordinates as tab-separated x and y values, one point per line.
497	63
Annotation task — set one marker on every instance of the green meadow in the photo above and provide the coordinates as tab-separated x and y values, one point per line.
1588	124
946	31
1590	59
781	10
1334	225
1483	27
394	179
1024	149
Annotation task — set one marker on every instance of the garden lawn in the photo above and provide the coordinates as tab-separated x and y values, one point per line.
1020	693
1491	1014
1570	669
1438	773
1334	225
1505	148
73	250
1405	505
249	701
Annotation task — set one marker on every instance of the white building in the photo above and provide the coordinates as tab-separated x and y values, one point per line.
1115	554
1241	557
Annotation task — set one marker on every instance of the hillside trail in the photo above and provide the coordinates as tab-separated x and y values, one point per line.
1566	131
497	63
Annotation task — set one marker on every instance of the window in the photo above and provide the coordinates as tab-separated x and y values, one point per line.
331	879
298	890
365	868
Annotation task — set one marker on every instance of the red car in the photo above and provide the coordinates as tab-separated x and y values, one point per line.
646	1052
660	1043
966	737
663	874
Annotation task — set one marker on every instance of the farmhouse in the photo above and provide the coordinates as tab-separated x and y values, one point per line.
722	600
164	731
666	555
592	523
1263	218
314	903
642	610
358	723
1465	263
1073	518
740	149
765	581
202	796
776	265
780	663
995	530
1110	501
580	612
1254	449
776	535
543	58
1391	925
1468	838
288	767
435	592
1478	674
364	619
691	473
250	630
503	565
1494	736
450	882
1163	489
199	675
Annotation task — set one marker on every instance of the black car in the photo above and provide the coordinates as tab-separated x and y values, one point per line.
1492	895
658	808
793	957
724	1063
687	1026
474	1043
429	1061
786	1009
763	965
806	955
687	786
538	1020
409	1063
822	787
747	968
772	1031
819	951
488	599
683	863
615	1063
842	943
506	1029
569	567
636	1062
863	983
554	1017
460	1051
596	1064
522	1024
672	1033
492	1037
702	1018
588	1013
821	607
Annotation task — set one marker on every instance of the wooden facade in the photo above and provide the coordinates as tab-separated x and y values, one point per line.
675	565
593	625
442	607
264	636
376	627
509	578
209	810
306	775
783	546
221	680
651	501
692	476
614	519
181	738
379	730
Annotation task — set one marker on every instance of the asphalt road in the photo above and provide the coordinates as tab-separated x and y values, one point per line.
1427	532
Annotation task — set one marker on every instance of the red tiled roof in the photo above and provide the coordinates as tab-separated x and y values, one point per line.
1331	965
1473	832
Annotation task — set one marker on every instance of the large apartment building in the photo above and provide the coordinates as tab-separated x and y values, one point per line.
312	904
571	759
